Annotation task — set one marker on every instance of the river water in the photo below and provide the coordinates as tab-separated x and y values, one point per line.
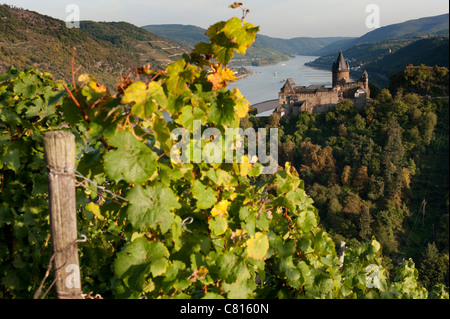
266	81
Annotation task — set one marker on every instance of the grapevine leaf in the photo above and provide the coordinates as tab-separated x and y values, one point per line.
218	225
284	249
144	99
136	93
12	159
220	209
133	161
132	262
306	221
257	246
242	104
212	295
152	206
206	196
139	258
162	134
223	112
239	289
232	268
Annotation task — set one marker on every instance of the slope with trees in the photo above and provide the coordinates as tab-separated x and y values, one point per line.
381	170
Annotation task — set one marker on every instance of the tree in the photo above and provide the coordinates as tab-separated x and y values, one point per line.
393	150
317	159
346	175
433	266
274	121
365	221
287	152
428	123
361	178
384	97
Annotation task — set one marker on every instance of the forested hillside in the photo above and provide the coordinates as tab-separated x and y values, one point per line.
423	27
105	50
382	170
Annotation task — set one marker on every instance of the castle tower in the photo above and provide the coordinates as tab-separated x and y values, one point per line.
365	80
341	70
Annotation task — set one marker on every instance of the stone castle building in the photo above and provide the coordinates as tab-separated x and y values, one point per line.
293	99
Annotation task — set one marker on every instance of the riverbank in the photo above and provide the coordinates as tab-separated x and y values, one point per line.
241	73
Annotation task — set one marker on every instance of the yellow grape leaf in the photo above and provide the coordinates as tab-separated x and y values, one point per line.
97	88
220	209
202	272
242	104
95	209
85	78
257	246
245	166
221	77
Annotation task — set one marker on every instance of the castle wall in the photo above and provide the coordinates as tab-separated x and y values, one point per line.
314	98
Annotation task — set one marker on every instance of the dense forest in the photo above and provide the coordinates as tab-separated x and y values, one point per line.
381	170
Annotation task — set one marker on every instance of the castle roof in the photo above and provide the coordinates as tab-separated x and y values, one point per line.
341	64
289	86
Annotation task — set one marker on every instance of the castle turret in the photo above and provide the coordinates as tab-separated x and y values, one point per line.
341	70
365	80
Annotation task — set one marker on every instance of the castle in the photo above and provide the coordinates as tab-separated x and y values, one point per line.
293	99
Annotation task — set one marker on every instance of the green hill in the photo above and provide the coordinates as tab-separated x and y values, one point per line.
188	35
105	50
300	45
436	25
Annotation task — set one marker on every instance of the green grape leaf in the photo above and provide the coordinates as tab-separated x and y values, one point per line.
133	262
223	112
12	159
206	196
306	221
239	289
132	161
293	274
218	225
284	249
152	206
162	134
138	259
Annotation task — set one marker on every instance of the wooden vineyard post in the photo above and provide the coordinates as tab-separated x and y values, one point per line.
59	148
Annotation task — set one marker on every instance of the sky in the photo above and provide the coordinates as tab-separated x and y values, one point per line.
280	18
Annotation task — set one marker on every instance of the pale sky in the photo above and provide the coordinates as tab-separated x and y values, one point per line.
276	18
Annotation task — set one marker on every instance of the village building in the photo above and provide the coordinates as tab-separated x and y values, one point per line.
293	99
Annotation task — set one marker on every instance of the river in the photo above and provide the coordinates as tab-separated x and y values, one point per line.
264	85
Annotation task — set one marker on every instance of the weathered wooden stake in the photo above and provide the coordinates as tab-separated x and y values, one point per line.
59	148
341	254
